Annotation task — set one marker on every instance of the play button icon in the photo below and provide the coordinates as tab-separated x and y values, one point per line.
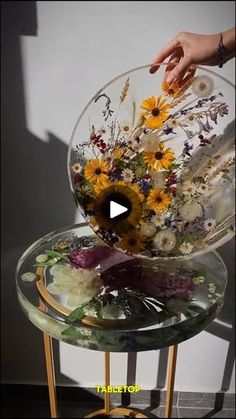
116	209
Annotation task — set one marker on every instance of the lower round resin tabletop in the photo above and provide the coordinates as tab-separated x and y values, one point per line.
75	288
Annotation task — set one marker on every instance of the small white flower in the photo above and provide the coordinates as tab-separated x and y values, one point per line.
76	168
198	280
125	127
127	175
165	240
209	224
150	142
41	258
202	86
28	277
203	188
148	229
176	306
186	248
159	179
188	187
190	119
159	219
131	142
173	123
190	211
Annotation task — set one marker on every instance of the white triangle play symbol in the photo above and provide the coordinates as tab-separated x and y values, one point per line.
116	209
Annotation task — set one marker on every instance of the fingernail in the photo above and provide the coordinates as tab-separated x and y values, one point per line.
153	69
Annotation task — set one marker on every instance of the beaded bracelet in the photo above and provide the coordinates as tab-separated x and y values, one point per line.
220	51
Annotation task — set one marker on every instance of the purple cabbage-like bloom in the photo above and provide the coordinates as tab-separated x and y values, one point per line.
89	258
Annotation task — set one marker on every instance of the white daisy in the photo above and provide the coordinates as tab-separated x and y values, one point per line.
148	229
209	224
190	211
190	119
173	123
76	168
131	142
125	127
127	175
159	219
202	86
150	142
188	187
186	248
159	179
165	240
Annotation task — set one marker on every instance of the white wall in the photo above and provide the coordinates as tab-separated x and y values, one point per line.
78	48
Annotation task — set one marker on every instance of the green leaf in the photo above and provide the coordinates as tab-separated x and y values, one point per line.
75	315
71	332
53	254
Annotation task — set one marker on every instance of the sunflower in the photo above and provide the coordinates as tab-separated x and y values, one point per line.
96	170
156	111
132	242
99	187
158	200
170	90
160	159
125	194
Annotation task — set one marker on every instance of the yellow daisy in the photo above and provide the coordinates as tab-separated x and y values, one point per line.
96	171
155	111
132	242
158	200
160	159
170	90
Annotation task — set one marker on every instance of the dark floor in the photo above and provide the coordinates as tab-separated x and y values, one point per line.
32	402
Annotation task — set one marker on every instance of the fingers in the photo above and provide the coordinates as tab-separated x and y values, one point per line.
174	59
190	74
163	54
179	71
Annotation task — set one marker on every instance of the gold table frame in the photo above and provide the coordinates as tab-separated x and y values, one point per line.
172	358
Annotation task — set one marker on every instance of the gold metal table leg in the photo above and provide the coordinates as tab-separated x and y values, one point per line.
107	408
50	375
172	357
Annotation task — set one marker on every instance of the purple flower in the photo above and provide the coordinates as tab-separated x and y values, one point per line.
89	258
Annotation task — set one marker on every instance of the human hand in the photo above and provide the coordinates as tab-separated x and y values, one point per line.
187	50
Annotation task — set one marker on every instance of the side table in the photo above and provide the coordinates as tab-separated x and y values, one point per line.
167	304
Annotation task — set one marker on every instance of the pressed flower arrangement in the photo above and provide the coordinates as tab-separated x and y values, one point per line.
168	156
99	298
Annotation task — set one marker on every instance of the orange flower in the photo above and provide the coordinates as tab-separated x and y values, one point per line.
160	159
158	200
155	111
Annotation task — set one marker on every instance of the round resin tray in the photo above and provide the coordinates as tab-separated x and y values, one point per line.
79	290
151	165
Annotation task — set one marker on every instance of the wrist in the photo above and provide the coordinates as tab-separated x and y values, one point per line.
229	42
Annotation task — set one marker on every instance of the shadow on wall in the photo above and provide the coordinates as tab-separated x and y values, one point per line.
36	197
